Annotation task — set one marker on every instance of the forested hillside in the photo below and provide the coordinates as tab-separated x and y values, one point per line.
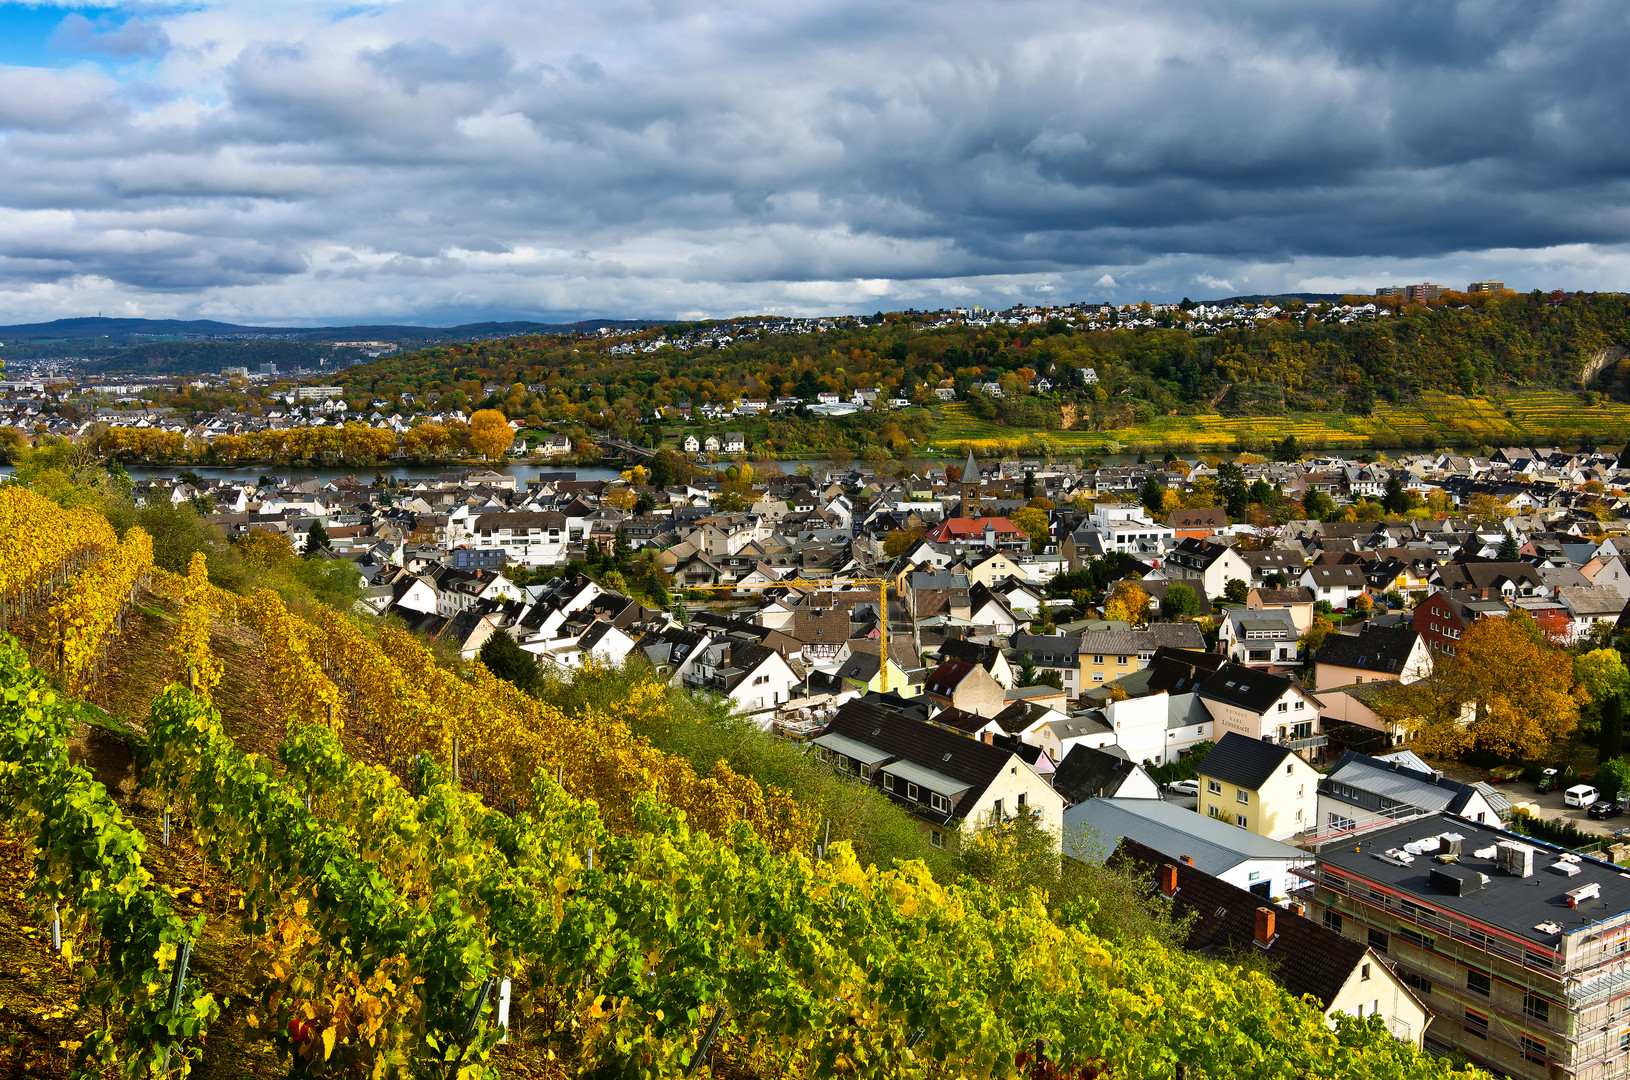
1302	359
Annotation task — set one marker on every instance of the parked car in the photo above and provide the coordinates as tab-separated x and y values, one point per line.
1580	795
1603	810
1184	787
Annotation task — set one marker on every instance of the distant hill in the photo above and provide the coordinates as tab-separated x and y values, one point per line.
198	346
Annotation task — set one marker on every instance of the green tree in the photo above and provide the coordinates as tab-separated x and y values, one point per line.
1027	669
1290	449
1180	602
316	539
662	469
1231	487
1611	746
1396	499
1029	484
1510	551
508	661
1235	591
1152	496
1318	505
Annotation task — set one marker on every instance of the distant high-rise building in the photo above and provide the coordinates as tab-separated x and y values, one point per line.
1392	290
1486	286
1424	293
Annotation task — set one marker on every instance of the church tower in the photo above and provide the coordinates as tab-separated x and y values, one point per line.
971	485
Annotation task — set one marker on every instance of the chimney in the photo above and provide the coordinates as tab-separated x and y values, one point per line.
987	737
1264	926
1297	909
1168	881
1188	860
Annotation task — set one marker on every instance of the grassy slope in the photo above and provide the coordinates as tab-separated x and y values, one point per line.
1543	415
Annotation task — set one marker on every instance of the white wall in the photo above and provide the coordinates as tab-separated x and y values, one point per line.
1140	726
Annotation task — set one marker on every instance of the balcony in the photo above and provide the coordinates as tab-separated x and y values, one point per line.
1309	743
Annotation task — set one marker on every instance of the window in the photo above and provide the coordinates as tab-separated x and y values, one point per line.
1477	983
1536	1008
888	781
1364	973
1477	1025
1023	800
1098	658
1533	1050
1415	982
1624	1040
996	811
1284	707
1121	660
1239	819
1341	824
1213	787
936	838
1378	941
939	802
911	792
1416	938
865	772
1242	796
1332	920
1289	768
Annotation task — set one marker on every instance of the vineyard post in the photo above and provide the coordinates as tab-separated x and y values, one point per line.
707	1041
178	976
455	759
56	927
503	1011
166	826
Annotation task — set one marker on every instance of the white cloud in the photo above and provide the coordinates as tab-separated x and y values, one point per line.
1106	282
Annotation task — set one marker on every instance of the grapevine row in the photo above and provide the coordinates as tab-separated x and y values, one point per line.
85	616
505	737
41	546
190	655
353	963
87	865
814	968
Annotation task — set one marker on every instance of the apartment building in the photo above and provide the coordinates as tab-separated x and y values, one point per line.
1520	950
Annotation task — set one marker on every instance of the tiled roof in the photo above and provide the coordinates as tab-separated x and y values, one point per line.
1242	761
1308	959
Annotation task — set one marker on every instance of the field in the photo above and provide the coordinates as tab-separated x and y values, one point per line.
1434	419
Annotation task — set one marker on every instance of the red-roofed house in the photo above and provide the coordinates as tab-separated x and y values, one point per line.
990	532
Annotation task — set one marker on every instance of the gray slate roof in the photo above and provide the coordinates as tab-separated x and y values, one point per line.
1093	828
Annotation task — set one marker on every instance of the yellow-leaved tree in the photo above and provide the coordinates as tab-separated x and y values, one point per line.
1127	603
490	434
1505	689
1032	521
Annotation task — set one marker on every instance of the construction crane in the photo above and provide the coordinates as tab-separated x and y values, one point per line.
882	585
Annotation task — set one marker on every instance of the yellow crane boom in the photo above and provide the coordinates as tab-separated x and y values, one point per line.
882	585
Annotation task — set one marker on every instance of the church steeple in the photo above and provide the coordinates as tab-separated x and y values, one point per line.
971	484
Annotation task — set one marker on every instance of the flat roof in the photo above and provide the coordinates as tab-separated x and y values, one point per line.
1515	905
852	748
928	778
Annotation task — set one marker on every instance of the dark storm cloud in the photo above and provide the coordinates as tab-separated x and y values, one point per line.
689	154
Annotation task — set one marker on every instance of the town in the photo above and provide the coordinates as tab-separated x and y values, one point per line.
1187	660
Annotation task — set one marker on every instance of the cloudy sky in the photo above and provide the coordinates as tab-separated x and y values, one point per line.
306	162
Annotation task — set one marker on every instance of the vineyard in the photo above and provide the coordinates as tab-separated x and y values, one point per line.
435	875
1435	419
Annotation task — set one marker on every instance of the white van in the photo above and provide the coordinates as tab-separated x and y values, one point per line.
1580	795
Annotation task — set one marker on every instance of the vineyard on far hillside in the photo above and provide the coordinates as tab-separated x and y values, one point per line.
434	875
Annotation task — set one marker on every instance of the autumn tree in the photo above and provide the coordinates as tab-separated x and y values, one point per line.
898	542
490	434
1033	523
1504	690
1127	603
